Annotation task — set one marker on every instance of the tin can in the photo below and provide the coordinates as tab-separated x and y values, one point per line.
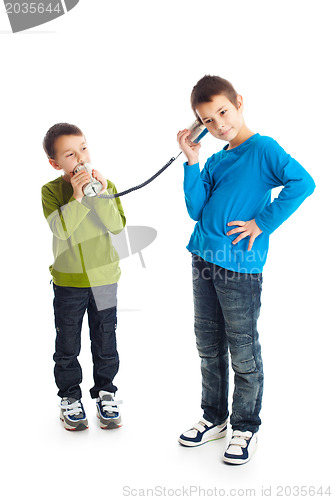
198	131
93	187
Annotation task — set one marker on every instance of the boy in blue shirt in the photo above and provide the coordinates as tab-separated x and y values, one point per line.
231	197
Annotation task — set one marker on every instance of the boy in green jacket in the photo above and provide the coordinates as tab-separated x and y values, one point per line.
85	273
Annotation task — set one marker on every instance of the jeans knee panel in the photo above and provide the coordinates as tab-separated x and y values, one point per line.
208	351
244	366
207	338
242	354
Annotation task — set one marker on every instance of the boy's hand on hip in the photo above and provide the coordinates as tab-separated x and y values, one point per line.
189	148
247	228
99	177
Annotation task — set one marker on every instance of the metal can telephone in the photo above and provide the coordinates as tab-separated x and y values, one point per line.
93	187
198	131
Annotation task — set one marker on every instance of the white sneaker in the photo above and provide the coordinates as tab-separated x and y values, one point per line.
73	415
108	410
202	432
241	447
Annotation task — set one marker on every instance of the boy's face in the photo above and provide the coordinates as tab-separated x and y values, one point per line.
69	151
222	119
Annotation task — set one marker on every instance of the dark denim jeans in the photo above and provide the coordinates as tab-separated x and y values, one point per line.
226	310
70	305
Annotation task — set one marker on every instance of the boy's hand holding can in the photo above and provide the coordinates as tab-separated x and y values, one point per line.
99	177
189	148
78	181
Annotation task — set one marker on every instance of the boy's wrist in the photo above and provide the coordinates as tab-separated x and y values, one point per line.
193	160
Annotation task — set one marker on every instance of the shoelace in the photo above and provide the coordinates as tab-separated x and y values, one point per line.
71	408
110	406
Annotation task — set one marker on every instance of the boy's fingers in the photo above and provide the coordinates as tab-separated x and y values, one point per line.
183	134
80	173
244	234
236	223
251	242
80	178
237	239
234	231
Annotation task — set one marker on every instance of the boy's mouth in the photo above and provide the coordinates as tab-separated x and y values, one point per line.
225	132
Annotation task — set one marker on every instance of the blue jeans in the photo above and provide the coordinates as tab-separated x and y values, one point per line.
226	310
70	305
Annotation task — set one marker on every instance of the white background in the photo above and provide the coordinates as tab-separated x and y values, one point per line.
123	72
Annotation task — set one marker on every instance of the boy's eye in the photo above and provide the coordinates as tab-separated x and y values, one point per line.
70	154
222	112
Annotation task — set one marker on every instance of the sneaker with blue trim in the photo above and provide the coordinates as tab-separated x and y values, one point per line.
241	448
108	410
73	415
202	432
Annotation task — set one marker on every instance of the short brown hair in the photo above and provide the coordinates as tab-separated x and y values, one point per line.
210	86
56	131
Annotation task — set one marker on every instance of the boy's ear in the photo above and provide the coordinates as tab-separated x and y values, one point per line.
240	102
54	164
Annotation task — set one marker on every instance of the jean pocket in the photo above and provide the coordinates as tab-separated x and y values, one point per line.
108	332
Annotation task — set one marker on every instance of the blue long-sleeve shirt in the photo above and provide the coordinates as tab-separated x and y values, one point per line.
235	185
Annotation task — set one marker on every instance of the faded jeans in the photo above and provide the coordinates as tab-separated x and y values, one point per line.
226	310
